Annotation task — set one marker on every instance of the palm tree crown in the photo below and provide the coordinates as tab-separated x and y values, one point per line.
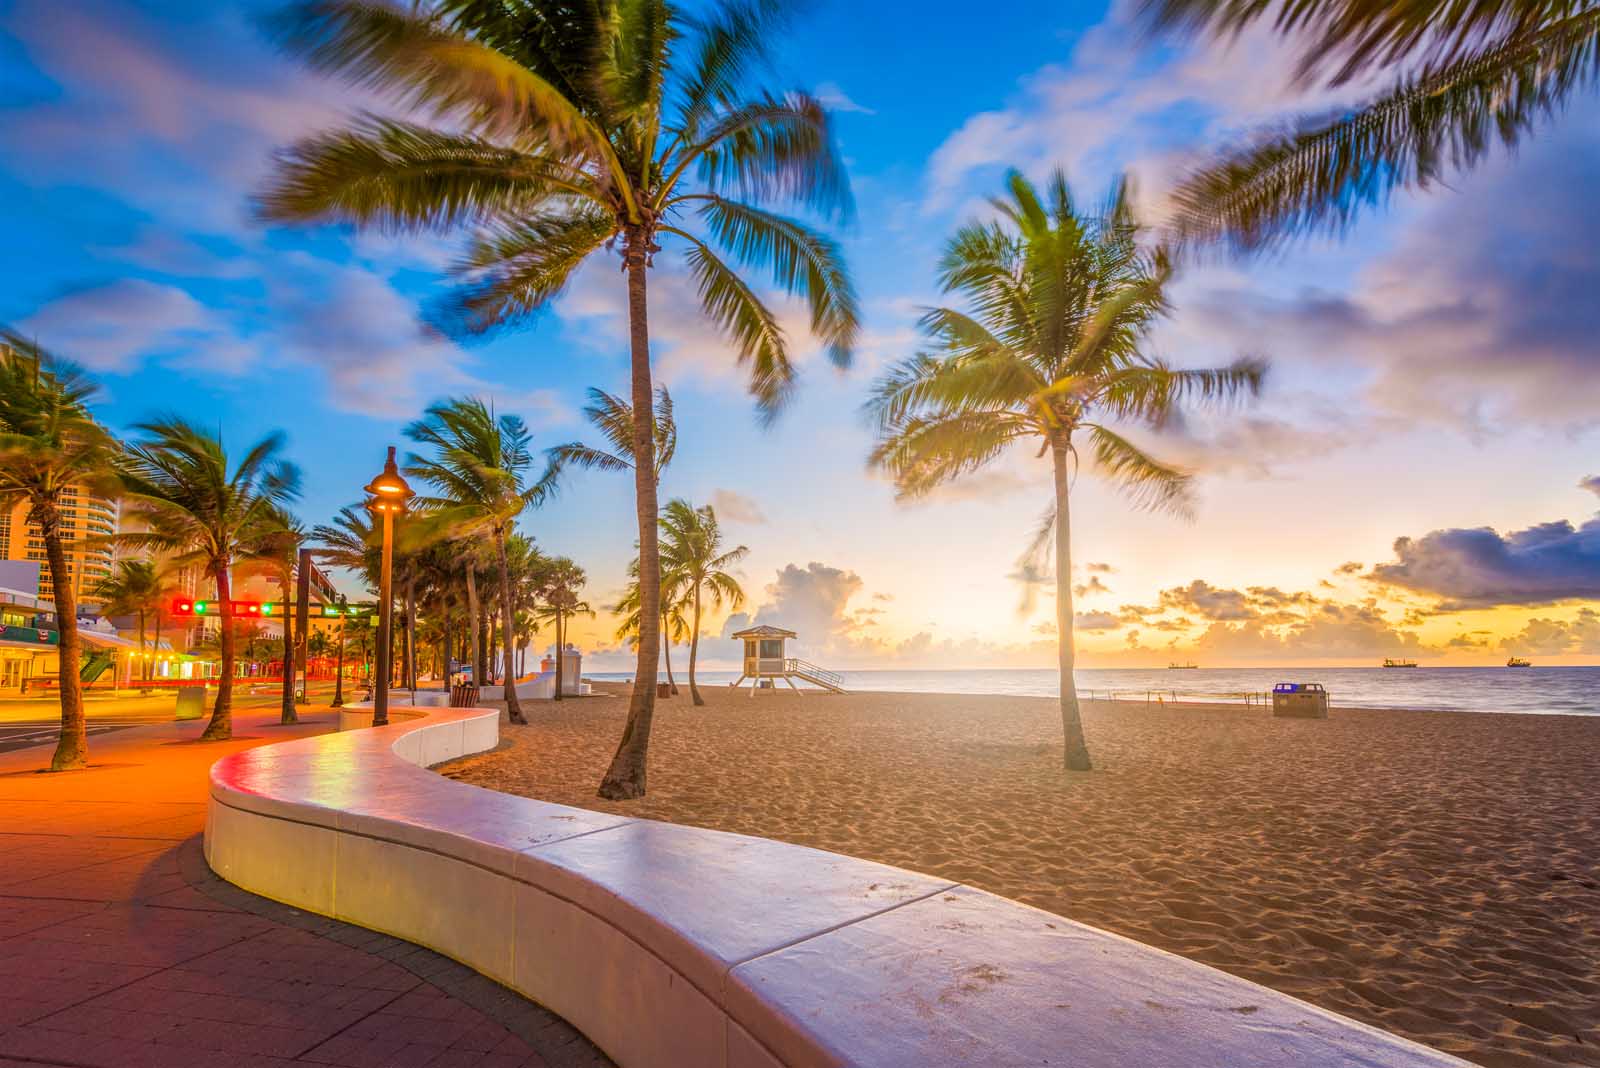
1051	349
1462	78
560	131
208	511
613	417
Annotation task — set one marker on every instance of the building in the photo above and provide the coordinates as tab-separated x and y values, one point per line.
83	515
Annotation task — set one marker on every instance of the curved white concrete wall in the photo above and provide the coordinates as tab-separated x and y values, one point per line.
680	947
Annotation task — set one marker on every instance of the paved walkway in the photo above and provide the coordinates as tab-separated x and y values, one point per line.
120	949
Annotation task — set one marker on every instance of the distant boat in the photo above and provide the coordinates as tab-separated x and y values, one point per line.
1518	661
1175	666
1400	663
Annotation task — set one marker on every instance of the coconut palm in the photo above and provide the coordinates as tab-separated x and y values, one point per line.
691	552
613	417
1050	353
49	444
479	467
206	510
276	548
133	588
674	624
559	131
1462	78
560	601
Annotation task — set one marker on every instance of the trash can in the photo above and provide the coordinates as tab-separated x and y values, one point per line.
1300	700
663	689
191	703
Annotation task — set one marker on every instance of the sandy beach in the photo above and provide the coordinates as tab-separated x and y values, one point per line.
1436	874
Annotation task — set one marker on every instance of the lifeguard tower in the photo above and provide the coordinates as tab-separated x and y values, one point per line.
766	658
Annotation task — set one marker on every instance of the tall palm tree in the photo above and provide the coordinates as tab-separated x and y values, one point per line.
1050	352
613	417
479	467
133	588
563	130
276	547
674	624
1462	77
691	551
562	581
49	443
206	510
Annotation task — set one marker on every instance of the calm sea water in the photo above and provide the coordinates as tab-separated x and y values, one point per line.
1567	690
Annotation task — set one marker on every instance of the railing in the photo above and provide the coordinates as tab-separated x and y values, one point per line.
1248	698
808	670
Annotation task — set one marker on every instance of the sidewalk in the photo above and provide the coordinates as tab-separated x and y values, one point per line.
120	949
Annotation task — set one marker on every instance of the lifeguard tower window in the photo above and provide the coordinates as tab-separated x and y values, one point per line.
771	649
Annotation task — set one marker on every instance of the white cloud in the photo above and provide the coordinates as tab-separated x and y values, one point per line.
835	99
735	507
118	325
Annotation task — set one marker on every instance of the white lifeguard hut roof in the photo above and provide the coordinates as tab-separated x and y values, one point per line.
765	631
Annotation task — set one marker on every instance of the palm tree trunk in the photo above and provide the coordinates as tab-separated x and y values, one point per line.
694	648
666	654
472	624
287	713
625	778
1075	752
155	656
72	748
221	726
508	626
560	648
144	659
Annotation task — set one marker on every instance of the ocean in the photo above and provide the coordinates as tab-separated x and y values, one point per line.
1564	690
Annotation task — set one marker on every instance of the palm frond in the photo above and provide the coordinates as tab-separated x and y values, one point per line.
730	303
517	268
772	149
1316	179
801	260
1148	482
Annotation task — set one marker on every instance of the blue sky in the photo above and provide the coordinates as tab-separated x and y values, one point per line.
1433	375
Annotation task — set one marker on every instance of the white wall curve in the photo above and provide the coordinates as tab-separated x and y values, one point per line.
674	946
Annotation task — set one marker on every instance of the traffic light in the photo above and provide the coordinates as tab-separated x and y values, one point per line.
185	606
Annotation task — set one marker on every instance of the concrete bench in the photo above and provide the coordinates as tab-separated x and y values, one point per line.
677	946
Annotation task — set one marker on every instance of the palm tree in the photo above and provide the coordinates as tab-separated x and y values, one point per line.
562	130
562	580
1052	348
479	467
49	443
613	417
196	504
691	552
276	547
133	588
1461	78
674	624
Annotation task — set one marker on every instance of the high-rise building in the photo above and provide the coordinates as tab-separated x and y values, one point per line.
83	515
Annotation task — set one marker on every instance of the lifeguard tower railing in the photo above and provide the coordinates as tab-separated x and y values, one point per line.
804	669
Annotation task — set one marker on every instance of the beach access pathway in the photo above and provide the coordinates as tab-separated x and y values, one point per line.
120	949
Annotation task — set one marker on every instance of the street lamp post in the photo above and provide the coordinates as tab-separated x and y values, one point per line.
389	494
338	671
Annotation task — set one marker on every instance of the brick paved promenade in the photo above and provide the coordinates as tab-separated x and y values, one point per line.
119	948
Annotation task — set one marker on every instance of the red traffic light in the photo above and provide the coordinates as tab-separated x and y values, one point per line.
186	606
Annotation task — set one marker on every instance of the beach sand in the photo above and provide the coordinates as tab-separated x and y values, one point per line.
1435	874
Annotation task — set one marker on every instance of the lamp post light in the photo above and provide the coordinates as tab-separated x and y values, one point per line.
389	494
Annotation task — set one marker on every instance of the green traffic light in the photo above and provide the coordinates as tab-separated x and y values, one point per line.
200	608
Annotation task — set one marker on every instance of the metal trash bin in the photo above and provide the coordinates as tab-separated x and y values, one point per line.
191	703
1300	700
